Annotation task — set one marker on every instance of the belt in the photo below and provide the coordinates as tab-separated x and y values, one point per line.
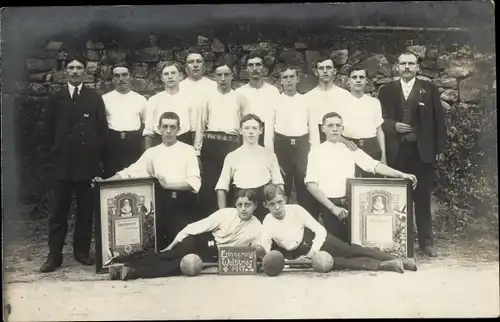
293	139
221	136
362	142
124	134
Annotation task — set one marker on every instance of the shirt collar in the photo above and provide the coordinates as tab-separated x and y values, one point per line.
409	84
72	88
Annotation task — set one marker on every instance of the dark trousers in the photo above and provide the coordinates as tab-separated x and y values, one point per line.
58	221
332	223
261	211
185	137
123	149
292	155
216	146
345	256
167	263
372	148
409	161
175	210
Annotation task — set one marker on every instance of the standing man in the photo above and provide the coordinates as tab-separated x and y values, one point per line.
291	119
175	166
217	132
76	132
125	112
261	96
363	120
415	131
172	99
325	97
330	165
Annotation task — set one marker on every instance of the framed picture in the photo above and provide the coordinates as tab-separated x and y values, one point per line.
126	219
381	214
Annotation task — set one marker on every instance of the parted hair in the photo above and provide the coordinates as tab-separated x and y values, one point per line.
223	61
251	194
248	117
272	190
408	53
322	57
257	54
75	56
169	63
329	115
169	116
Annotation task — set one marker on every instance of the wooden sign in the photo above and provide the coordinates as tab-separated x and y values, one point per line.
237	261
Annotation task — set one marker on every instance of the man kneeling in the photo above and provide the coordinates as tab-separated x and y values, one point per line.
291	228
225	227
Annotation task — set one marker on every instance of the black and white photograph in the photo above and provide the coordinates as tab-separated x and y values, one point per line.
249	161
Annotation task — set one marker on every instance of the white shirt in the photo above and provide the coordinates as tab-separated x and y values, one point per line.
197	93
407	87
261	102
71	88
291	115
321	102
180	103
329	165
175	164
227	228
249	168
220	113
125	112
362	117
289	231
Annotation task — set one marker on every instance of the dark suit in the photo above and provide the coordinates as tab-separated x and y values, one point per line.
76	133
415	152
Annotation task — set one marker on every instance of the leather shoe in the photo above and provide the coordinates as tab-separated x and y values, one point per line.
429	251
114	273
127	273
50	265
395	265
410	264
84	259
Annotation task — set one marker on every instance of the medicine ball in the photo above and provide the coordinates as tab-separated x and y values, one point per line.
322	262
273	263
191	265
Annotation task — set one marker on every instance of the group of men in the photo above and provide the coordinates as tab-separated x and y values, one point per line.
205	142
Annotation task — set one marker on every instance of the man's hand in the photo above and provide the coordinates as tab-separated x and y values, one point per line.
349	144
339	212
304	258
169	247
402	127
95	180
412	178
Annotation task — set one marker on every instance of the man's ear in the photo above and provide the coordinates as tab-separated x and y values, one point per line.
315	71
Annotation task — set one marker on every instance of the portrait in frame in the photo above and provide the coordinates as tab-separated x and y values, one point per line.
381	214
126	219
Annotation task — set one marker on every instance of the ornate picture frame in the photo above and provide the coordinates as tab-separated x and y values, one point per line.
381	214
126	219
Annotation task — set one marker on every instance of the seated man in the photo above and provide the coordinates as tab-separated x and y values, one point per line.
175	165
291	227
226	227
250	166
329	166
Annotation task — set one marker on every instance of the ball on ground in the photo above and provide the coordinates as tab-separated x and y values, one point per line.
191	265
322	262
273	263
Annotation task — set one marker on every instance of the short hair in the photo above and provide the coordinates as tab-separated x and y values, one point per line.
352	69
329	115
251	194
322	58
75	56
408	53
169	116
291	67
223	61
257	54
272	190
248	117
171	63
121	64
191	51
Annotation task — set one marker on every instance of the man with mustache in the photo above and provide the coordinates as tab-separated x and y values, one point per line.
218	132
415	131
76	132
125	112
260	96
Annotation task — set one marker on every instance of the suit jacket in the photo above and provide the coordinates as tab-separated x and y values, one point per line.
76	134
426	114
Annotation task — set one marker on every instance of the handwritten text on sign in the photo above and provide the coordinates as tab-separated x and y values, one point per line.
237	261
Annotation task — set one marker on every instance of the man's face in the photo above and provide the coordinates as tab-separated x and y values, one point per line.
325	71
332	127
407	66
357	80
170	76
250	131
194	66
245	207
168	130
277	206
223	77
74	71
255	67
289	79
121	78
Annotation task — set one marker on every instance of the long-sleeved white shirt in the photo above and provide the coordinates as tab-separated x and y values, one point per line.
329	165
289	231
125	112
227	228
176	164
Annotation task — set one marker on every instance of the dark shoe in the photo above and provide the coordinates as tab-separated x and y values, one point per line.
395	265
114	273
85	259
429	251
127	273
410	264
51	264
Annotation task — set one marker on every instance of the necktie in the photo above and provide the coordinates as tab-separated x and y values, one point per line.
75	94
